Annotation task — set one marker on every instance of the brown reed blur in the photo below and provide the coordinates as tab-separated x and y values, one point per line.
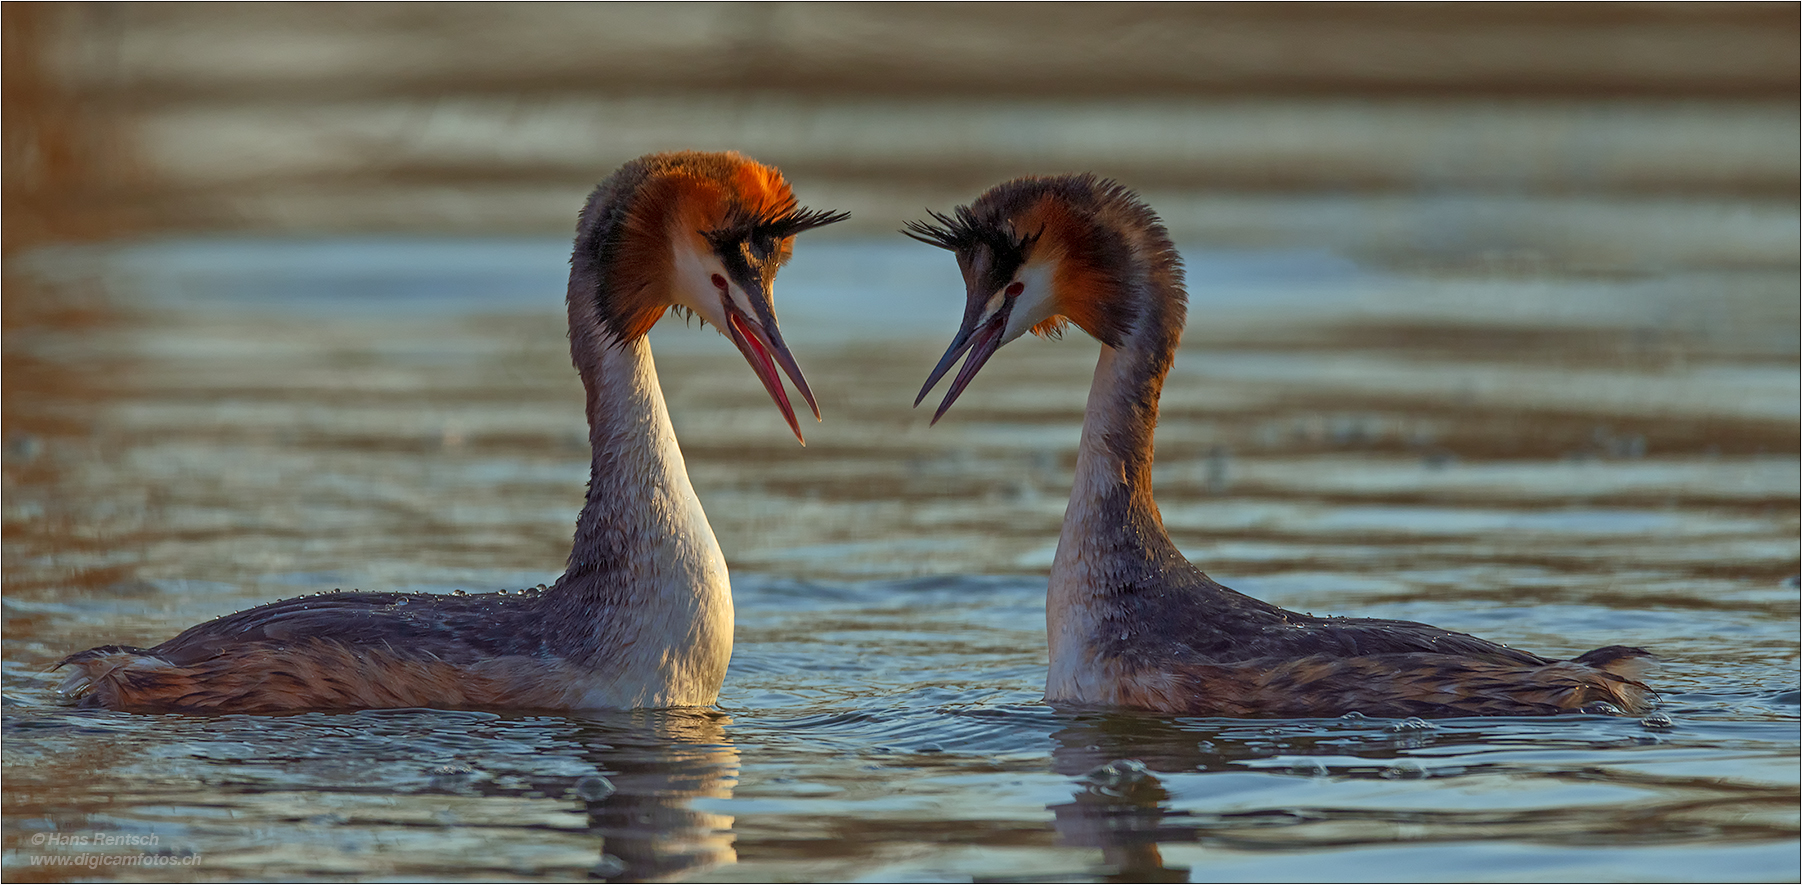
130	118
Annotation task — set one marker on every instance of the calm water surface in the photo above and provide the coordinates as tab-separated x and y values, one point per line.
1547	455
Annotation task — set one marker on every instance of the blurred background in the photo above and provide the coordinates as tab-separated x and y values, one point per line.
1238	121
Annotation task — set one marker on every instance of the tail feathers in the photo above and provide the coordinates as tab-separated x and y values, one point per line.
116	676
321	675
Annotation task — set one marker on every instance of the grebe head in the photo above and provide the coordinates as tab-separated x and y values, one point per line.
702	233
1039	253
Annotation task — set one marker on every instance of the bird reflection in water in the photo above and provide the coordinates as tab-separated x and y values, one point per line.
1120	810
1119	759
657	763
1121	807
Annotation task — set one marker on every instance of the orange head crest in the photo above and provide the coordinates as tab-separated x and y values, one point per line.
698	232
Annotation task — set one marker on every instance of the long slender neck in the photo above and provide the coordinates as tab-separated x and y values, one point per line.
645	604
639	496
641	533
1113	545
1113	535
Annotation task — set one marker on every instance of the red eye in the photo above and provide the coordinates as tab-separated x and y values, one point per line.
1014	289
719	282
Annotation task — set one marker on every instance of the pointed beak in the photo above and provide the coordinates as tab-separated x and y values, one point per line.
980	338
761	343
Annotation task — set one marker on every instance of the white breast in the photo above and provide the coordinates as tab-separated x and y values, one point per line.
669	644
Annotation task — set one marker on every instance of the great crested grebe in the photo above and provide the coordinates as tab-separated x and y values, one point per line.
642	617
1130	622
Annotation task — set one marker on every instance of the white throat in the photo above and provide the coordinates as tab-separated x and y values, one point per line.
1079	569
667	641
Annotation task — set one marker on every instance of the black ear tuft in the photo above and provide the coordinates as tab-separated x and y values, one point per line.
954	231
962	230
801	220
778	223
950	233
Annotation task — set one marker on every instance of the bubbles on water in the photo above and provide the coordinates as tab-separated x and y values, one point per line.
1309	767
453	777
1354	715
1119	777
1410	725
1119	768
1600	708
1404	769
593	788
1658	721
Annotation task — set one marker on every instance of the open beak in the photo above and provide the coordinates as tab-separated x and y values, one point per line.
980	339
763	349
